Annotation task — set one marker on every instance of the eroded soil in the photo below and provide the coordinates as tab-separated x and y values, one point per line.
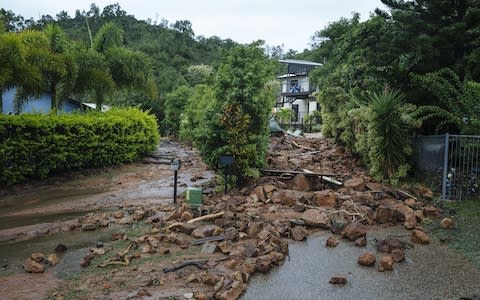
164	251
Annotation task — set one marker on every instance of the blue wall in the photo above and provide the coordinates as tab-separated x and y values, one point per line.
35	105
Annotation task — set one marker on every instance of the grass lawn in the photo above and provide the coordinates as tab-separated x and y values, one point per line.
466	236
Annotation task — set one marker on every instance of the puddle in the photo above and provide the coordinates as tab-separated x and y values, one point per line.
25	220
13	254
430	272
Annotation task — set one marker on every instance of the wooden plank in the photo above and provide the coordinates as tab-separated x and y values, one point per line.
296	172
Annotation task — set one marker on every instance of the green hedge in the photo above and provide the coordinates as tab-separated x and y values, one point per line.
34	145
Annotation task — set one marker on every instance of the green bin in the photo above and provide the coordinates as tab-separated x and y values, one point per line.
193	196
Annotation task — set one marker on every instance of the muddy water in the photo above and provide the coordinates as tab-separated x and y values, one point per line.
429	272
13	254
35	209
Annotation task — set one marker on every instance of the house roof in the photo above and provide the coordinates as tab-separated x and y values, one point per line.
94	106
286	76
299	62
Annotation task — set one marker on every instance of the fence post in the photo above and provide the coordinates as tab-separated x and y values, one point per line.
445	168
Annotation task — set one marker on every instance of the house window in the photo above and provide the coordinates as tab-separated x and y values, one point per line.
294	86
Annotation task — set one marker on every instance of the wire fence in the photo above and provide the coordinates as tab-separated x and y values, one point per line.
450	164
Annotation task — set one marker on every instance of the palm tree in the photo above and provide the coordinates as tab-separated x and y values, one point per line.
17	68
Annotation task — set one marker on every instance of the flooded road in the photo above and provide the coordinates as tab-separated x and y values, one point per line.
430	272
30	213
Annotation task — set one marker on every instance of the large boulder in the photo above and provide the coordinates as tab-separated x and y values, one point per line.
287	197
316	218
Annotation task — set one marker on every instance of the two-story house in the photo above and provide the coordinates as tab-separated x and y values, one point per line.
296	89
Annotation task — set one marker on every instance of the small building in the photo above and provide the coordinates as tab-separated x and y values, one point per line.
296	89
41	104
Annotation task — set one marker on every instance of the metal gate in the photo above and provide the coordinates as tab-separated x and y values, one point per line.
451	163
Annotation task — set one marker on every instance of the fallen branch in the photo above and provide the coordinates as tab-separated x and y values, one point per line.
125	261
220	237
206	217
325	178
303	147
196	263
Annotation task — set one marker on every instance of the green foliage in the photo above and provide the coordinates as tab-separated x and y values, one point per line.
284	115
458	108
175	103
237	121
34	146
108	36
382	125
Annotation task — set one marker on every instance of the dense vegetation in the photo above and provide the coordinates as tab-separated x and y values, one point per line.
426	52
33	146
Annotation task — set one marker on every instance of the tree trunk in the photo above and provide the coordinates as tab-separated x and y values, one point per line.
53	97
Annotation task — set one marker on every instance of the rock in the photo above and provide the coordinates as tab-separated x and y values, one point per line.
61	248
236	276
186	216
361	241
286	197
355	230
325	198
356	184
367	259
209	248
200	296
264	264
254	228
225	247
389	244
385	263
231	264
31	266
206	231
301	183
187	228
446	223
119	236
260	193
425	192
338	279
316	218
385	214
419	215
209	279
163	250
148	249
299	233
331	242
263	235
84	263
99	245
420	237
37	257
269	188
233	293
398	255
53	260
138	215
410	202
431	211
88	227
126	220
118	214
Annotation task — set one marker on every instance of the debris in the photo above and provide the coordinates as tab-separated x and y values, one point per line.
420	237
196	263
385	263
31	266
331	242
206	217
220	237
446	223
299	233
53	260
208	248
338	279
122	258
367	259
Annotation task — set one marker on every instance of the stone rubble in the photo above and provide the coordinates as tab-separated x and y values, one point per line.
257	223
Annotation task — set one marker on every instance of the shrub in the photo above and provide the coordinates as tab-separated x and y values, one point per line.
34	145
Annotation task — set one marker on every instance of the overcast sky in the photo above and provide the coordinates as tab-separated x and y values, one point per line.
279	22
